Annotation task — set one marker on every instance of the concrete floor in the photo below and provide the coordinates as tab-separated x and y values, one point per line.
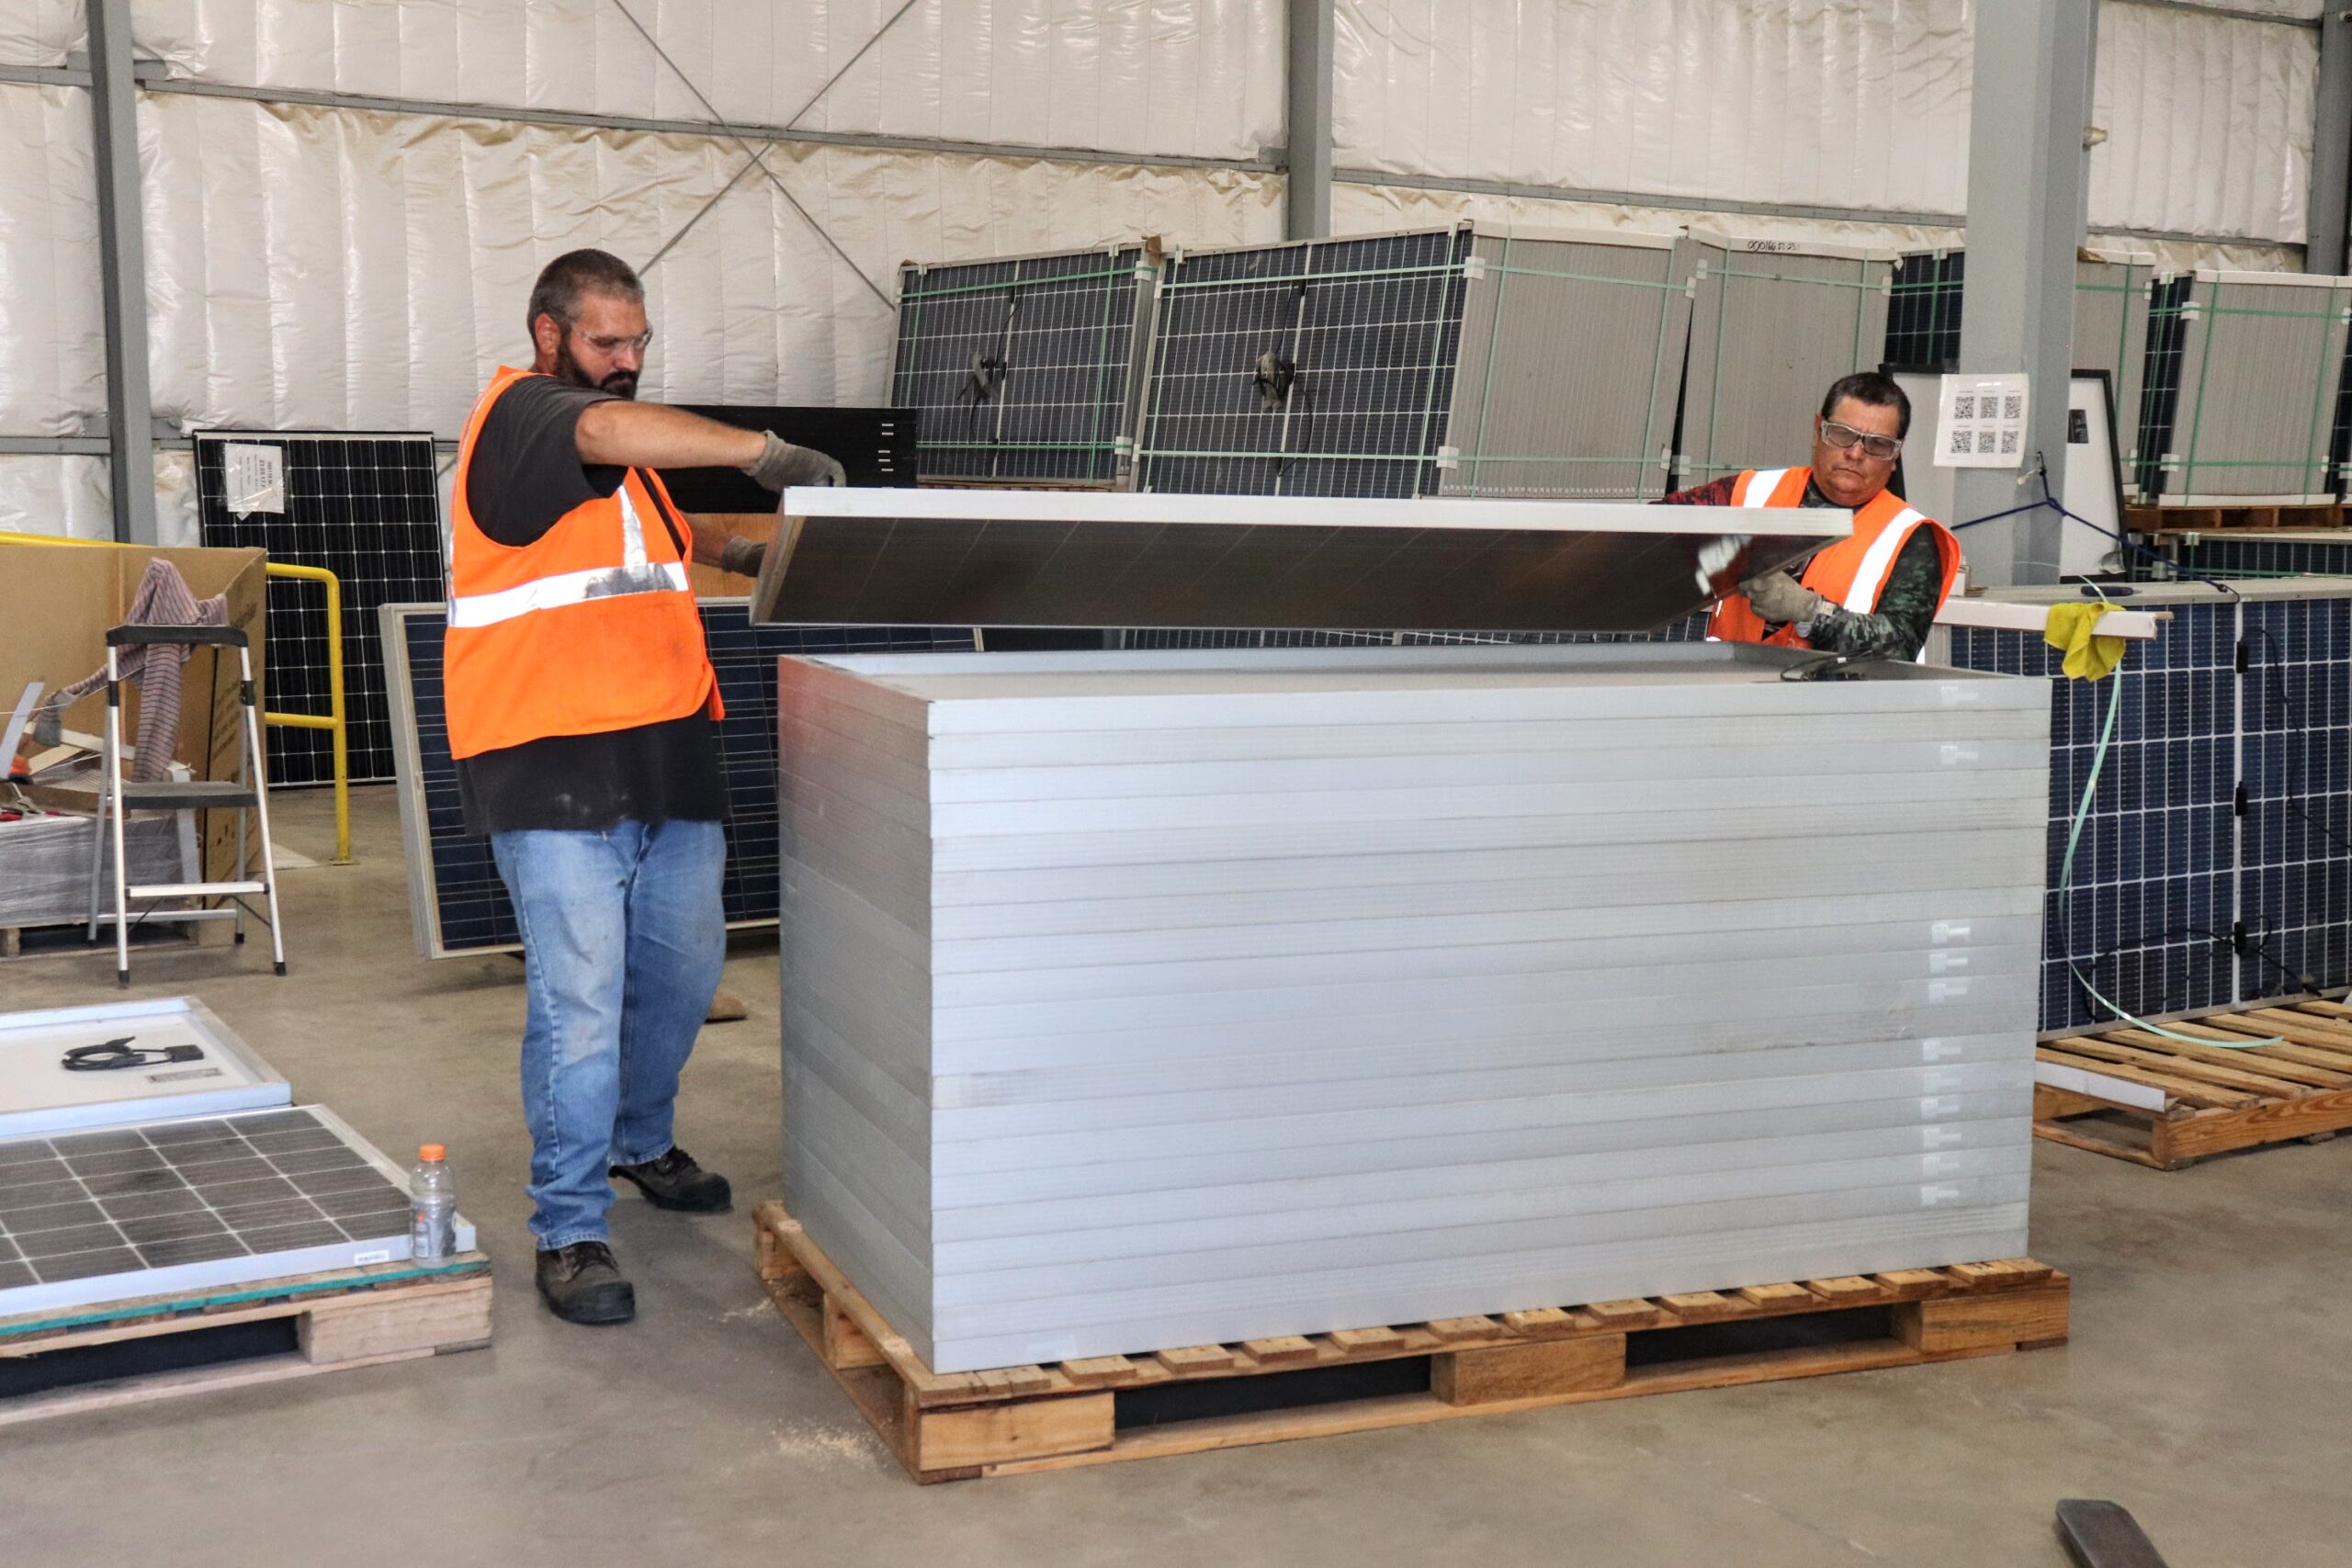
2203	1389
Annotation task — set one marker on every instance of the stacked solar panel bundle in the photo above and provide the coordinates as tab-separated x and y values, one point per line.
2243	372
1133	1005
1024	368
1450	361
1774	322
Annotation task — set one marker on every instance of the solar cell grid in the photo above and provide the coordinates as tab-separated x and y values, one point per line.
461	904
1323	369
80	1205
365	507
1022	368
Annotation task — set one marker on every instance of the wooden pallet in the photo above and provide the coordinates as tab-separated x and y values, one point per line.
1013	1420
2214	519
351	1317
2160	1102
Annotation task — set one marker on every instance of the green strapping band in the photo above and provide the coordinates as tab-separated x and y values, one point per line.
1018	445
1454	268
1009	284
280	1291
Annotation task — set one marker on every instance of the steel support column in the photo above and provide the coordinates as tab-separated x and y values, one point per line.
2331	145
2026	176
122	267
1306	212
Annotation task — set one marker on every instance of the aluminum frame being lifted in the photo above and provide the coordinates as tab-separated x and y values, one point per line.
1056	558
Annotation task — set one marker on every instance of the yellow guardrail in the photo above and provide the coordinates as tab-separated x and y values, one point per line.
333	720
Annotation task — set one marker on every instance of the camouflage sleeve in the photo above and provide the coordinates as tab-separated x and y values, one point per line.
1898	628
1716	492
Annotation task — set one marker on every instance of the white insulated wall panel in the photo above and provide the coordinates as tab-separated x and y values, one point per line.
1145	1001
39	32
2209	124
1201	78
1837	103
310	267
1854	105
65	496
53	374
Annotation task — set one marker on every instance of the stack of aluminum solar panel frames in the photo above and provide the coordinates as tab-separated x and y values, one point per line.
1134	1002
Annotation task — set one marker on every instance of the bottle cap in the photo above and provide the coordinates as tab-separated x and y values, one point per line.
432	1151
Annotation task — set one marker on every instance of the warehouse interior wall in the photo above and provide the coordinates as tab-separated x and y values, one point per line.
359	261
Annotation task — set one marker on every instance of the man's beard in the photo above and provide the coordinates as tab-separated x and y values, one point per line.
620	383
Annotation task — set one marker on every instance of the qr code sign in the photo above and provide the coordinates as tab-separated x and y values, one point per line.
1964	405
2009	442
2012	406
1961	443
1983	441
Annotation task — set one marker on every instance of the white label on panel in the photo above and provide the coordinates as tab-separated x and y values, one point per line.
1939	1165
1947	930
1934	1107
1939	1050
252	477
1946	991
1945	963
379	1256
1942	1078
1944	1192
1939	1137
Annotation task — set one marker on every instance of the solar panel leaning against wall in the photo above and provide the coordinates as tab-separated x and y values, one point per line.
1026	369
2243	371
1773	322
1449	361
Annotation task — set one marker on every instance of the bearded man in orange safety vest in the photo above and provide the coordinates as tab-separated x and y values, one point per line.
1872	594
581	709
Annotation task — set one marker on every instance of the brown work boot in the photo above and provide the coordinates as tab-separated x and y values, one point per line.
675	1181
582	1284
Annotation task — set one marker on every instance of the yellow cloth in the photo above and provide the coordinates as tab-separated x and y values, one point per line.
2088	656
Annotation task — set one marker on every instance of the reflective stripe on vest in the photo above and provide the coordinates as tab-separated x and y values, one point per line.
1870	577
634	575
1755	487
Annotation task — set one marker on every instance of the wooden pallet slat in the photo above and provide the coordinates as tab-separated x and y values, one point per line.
2267	1073
343	1319
1019	1420
2285	1068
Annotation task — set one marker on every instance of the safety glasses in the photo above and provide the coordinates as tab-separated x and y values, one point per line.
1885	448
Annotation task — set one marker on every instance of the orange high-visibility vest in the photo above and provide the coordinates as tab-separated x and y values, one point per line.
592	627
1852	572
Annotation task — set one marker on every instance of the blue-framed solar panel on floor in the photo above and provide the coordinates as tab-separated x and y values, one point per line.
365	507
125	1211
456	900
1023	369
1441	361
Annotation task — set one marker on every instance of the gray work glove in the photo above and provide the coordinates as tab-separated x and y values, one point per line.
781	465
1781	599
743	556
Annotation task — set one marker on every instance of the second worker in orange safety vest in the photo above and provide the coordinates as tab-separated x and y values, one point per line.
1875	593
581	707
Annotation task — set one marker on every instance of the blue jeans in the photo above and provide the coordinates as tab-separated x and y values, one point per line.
623	940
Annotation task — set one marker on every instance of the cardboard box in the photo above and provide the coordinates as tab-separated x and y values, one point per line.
56	604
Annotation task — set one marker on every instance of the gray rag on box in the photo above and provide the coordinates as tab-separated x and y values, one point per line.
164	600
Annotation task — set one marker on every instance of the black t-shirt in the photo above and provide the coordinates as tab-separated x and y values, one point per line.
525	474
